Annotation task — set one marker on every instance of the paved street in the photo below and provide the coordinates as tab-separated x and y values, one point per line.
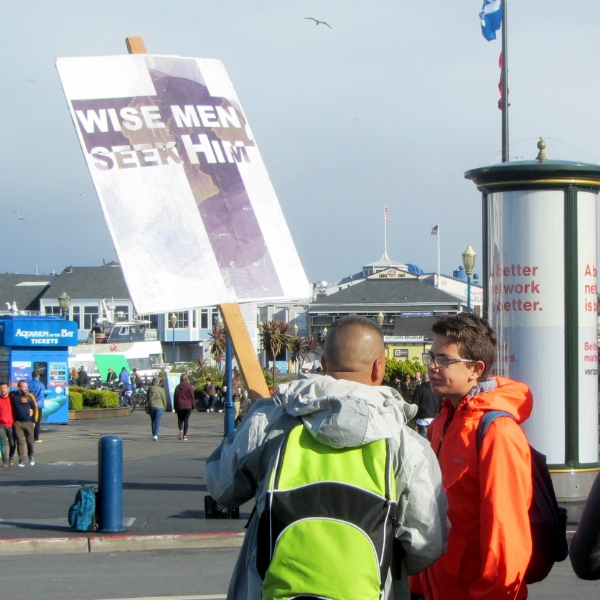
178	574
164	481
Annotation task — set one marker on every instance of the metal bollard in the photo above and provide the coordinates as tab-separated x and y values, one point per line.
229	408
110	483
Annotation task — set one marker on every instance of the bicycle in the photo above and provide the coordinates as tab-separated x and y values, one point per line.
138	398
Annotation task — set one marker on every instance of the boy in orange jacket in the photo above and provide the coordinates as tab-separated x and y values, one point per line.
489	492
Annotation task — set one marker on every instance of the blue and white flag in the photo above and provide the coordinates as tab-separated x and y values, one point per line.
491	18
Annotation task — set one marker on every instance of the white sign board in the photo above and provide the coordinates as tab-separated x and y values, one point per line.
188	202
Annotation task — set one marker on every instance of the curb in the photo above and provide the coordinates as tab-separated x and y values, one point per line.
119	543
43	546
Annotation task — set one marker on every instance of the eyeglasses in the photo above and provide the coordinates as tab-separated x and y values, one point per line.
442	362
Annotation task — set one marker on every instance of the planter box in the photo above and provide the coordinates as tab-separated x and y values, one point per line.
99	413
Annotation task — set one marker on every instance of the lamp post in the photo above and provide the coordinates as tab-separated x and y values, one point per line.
380	319
468	258
64	302
173	320
295	330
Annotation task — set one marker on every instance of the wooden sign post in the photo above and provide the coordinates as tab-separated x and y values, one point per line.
230	313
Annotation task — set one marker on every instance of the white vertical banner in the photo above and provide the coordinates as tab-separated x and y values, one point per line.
526	305
588	327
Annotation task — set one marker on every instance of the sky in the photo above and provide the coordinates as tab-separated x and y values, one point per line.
388	107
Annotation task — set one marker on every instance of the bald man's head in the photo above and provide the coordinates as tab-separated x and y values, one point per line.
354	350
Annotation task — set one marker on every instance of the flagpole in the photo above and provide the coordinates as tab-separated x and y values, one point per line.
385	230
439	267
504	79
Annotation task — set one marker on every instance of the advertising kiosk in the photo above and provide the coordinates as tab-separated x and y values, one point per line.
541	297
30	343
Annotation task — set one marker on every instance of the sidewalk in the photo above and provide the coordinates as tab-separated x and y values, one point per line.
164	484
163	488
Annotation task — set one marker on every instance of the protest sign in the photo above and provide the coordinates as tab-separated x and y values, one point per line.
186	196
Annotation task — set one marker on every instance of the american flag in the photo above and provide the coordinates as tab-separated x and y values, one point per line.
434	231
388	217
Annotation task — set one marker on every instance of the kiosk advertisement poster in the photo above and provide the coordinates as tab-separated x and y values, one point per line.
54	374
588	327
188	202
527	310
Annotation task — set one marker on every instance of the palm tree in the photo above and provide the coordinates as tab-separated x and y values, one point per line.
217	343
275	337
299	348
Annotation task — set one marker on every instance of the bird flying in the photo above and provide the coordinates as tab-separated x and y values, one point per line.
20	217
317	22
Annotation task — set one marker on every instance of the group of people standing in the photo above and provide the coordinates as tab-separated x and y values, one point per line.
20	417
318	454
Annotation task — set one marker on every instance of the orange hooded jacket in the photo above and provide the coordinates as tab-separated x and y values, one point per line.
489	495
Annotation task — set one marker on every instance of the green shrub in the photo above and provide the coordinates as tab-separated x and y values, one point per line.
100	399
399	368
109	399
75	400
75	388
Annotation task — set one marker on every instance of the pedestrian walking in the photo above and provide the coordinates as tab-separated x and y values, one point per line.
7	422
37	388
184	401
489	489
157	402
321	462
25	414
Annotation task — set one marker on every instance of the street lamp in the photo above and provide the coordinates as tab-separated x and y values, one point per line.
295	329
380	319
64	302
173	320
469	257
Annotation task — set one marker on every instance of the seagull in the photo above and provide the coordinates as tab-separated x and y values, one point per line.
20	217
319	22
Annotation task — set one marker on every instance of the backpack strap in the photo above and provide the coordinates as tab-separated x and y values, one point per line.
486	421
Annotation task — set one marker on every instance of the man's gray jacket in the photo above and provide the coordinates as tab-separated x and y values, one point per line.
340	414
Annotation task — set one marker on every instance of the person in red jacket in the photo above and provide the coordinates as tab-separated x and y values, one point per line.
489	492
6	427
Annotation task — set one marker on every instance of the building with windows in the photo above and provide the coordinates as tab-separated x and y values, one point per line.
402	295
400	302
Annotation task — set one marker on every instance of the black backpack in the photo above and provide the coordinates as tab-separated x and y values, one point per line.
548	520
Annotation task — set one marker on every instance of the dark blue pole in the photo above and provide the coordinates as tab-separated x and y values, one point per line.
110	483
468	293
173	345
229	420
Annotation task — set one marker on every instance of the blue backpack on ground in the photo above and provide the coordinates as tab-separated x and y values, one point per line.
82	513
548	520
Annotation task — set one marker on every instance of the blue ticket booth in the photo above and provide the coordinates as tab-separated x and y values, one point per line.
29	343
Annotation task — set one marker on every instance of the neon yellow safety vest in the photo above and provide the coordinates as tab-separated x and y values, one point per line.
328	526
